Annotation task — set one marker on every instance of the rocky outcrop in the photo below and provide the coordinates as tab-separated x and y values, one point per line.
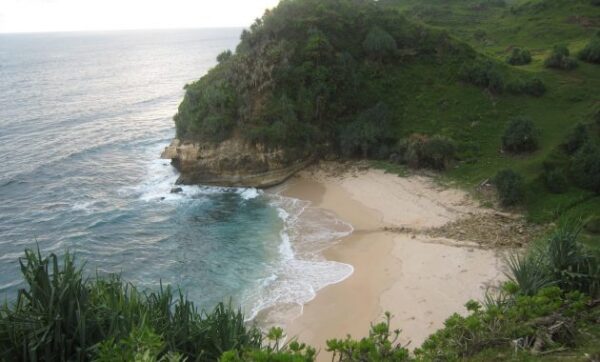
233	162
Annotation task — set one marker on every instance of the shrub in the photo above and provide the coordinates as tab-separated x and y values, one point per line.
555	180
379	44
503	321
591	52
274	351
585	167
569	264
577	138
365	134
510	186
483	74
520	136
64	316
381	345
421	151
519	57
533	86
559	59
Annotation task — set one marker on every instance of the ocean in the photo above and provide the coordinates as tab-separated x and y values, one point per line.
83	119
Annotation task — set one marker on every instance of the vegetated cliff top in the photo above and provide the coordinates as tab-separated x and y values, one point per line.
309	73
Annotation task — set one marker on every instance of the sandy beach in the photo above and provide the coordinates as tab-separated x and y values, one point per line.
420	279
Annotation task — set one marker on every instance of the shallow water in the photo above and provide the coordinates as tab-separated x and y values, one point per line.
83	118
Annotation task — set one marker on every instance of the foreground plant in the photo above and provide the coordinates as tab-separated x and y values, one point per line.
381	345
63	316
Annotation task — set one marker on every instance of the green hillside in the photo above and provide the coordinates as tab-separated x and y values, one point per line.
495	28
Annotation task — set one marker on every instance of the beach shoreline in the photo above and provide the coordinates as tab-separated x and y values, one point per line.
421	280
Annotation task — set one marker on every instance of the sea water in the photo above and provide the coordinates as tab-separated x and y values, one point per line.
83	119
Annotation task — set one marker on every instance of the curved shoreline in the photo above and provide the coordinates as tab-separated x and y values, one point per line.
421	280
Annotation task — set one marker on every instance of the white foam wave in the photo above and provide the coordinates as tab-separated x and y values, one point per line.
160	184
249	194
302	270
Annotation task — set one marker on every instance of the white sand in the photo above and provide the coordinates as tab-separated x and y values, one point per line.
420	280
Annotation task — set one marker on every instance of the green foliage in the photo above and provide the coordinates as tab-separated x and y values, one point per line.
528	273
555	180
274	351
379	44
591	52
519	56
224	56
585	167
485	74
366	132
64	316
510	318
577	138
380	346
559	59
531	86
142	345
420	151
560	261
510	186
520	136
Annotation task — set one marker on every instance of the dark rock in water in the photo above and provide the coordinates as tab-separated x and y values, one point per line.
162	198
176	190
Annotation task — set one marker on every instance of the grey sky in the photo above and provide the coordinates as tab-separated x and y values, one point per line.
74	15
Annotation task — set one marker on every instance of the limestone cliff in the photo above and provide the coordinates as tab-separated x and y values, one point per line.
233	162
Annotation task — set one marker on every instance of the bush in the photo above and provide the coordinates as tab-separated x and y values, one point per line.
379	44
510	186
421	151
381	345
484	74
585	167
591	52
520	136
365	134
559	59
63	316
577	138
519	57
555	180
507	319
533	86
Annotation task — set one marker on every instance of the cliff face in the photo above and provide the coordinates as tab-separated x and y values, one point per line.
233	162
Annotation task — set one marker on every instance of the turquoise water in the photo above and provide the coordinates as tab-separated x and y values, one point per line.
83	118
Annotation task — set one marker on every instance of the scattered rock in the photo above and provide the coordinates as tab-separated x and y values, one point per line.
176	190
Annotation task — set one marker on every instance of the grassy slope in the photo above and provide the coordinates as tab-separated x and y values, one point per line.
478	118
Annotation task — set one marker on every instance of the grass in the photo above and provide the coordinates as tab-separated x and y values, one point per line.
428	102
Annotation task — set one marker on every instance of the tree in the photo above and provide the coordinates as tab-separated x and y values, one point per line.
591	52
510	186
379	44
559	59
520	136
366	131
519	57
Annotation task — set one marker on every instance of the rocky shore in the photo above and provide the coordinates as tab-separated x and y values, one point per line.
233	163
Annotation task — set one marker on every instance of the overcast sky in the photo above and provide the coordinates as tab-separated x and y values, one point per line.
76	15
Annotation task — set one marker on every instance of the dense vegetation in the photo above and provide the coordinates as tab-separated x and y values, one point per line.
548	304
324	75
